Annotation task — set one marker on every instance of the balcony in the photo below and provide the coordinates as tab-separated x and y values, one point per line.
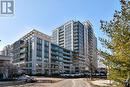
61	43
66	68
76	34
75	41
23	45
66	57
61	40
54	53
61	33
61	37
76	38
66	65
76	45
54	49
23	50
54	58
75	31
23	56
66	61
61	30
67	53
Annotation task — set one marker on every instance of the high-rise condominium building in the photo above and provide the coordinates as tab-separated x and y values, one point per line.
71	49
35	54
90	46
6	51
79	38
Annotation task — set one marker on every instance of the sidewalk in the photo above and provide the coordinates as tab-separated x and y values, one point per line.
102	83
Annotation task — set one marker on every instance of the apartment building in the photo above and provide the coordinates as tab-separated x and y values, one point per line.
101	67
72	48
95	59
62	58
7	50
4	71
79	38
90	45
35	54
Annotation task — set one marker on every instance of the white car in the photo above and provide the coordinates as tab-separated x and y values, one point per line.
26	78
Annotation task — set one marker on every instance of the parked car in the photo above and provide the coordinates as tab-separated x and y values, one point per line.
26	78
64	75
68	75
72	75
87	74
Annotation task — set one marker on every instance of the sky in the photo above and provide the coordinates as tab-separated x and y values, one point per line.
46	15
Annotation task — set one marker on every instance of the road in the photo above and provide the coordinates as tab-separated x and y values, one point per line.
72	83
79	82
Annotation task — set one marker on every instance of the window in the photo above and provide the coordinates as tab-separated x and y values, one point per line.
39	47
46	55
39	41
39	53
46	43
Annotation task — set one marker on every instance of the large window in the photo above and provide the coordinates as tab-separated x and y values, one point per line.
68	36
46	43
46	49
39	47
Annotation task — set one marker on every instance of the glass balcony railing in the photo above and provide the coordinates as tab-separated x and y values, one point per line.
23	45
66	65
67	61
67	53
56	58
23	50
66	57
23	56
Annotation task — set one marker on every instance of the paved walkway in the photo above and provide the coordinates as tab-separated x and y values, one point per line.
79	82
102	83
72	83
